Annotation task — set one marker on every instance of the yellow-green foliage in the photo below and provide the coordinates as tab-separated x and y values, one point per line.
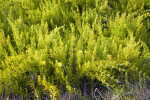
48	44
48	87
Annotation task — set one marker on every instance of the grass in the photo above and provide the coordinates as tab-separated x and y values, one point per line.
131	91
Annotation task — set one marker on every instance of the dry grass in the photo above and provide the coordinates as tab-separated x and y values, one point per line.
137	91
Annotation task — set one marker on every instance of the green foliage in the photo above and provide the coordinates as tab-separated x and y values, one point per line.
48	46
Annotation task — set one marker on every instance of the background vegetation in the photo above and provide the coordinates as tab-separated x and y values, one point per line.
71	49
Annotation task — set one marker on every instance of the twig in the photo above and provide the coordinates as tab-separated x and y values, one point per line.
97	90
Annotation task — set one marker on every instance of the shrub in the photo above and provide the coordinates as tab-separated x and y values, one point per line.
53	46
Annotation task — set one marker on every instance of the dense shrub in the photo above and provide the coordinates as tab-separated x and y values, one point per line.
53	46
